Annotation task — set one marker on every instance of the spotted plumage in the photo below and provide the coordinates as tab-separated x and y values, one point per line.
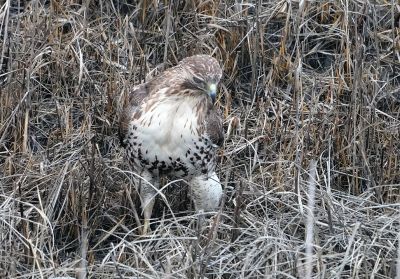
171	127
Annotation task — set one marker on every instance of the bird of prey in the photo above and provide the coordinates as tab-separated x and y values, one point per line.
170	127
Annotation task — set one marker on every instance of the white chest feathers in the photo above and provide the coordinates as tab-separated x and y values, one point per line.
168	125
167	137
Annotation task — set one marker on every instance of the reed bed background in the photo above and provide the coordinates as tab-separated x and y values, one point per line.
310	164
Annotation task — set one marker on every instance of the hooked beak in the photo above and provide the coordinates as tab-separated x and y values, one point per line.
212	91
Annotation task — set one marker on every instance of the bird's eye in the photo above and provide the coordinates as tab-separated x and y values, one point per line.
198	80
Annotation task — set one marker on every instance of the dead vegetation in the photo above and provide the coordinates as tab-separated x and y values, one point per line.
311	161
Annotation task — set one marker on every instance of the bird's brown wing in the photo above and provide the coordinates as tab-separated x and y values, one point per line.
132	102
214	127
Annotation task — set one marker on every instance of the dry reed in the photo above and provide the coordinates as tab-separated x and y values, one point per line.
306	83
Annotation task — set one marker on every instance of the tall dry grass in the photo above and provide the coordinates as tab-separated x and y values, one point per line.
311	161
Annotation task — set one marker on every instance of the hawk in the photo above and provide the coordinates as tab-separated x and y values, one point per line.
170	127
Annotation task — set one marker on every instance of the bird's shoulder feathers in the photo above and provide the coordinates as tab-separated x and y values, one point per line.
214	126
132	101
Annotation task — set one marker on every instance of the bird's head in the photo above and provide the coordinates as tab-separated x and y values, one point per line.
203	73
